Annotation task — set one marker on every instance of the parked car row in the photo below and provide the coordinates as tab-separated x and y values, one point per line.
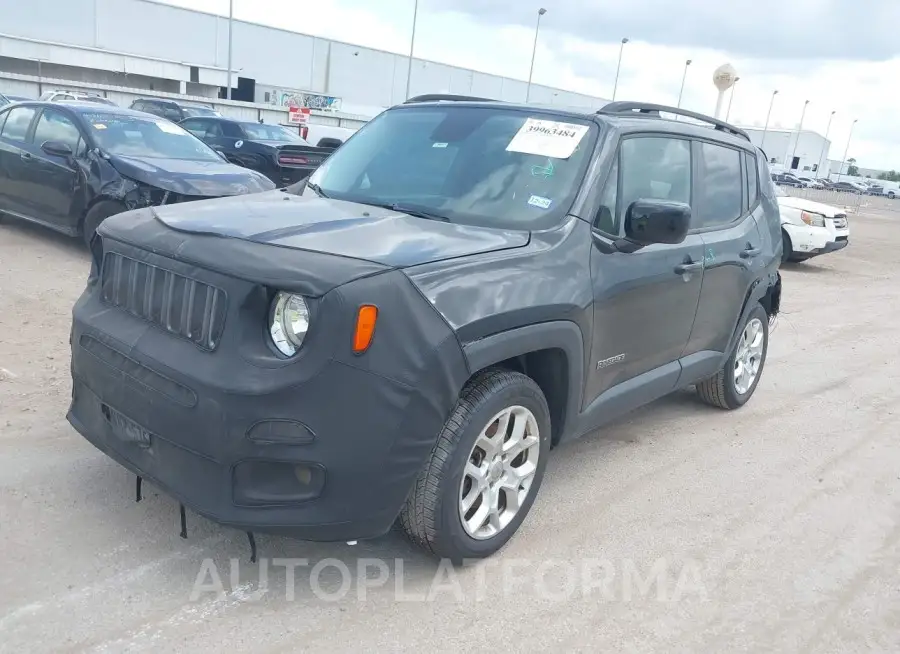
71	159
69	165
847	186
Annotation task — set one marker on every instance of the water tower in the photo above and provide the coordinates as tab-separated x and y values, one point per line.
724	78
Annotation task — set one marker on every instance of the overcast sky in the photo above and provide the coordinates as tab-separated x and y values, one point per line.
841	55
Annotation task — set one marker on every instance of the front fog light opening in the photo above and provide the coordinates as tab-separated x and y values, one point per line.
289	322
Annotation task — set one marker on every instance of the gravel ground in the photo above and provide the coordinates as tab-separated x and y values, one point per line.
681	528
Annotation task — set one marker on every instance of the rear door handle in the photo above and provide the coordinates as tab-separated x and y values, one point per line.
25	155
750	252
683	268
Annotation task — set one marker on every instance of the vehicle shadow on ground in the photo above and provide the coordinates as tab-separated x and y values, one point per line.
805	267
70	245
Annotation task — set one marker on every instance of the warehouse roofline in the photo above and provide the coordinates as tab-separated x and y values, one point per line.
365	47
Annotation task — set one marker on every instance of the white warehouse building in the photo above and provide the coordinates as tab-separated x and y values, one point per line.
143	44
804	153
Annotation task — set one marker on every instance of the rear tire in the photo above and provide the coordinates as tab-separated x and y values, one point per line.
96	215
728	389
495	404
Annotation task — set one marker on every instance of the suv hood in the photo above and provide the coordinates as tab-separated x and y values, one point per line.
808	205
203	178
336	227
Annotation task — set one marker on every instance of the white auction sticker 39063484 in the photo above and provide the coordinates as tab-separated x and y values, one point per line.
547	138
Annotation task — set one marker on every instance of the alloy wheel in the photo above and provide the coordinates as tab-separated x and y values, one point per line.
499	472
749	356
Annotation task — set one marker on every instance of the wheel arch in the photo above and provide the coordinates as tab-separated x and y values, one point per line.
551	353
765	291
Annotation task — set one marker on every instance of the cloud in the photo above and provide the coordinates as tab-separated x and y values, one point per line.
836	53
765	29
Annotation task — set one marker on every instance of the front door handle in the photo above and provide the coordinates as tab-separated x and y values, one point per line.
25	155
750	252
685	268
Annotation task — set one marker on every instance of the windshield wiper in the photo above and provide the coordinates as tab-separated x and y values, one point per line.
412	211
315	189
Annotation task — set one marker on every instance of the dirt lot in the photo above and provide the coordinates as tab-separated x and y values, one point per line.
776	528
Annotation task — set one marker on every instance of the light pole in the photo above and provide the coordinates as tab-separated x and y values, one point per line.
230	24
683	78
762	145
731	98
412	44
847	149
823	156
797	140
618	67
537	29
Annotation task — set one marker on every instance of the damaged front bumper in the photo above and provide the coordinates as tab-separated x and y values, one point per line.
322	448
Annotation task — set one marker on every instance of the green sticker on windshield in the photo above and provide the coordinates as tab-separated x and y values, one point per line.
543	171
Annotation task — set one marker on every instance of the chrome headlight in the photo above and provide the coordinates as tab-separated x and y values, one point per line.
814	219
288	322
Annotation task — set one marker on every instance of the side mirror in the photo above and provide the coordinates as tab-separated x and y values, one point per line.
657	221
57	148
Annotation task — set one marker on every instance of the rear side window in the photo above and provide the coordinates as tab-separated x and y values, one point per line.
17	121
172	112
752	179
719	186
152	108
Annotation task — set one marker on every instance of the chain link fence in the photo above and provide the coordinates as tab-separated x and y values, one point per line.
851	202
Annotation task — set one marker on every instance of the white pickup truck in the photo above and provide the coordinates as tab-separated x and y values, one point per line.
809	228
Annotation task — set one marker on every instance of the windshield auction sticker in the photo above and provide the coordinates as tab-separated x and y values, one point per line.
169	128
547	138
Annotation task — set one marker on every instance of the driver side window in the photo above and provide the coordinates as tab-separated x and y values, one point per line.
648	168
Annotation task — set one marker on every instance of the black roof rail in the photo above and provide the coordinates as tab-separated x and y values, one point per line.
444	97
619	108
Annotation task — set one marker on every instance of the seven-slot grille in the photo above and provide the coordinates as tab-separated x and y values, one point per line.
182	306
840	221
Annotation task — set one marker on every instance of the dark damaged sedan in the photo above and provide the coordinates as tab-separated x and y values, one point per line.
70	166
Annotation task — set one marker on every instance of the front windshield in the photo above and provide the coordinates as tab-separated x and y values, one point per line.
139	136
490	166
263	132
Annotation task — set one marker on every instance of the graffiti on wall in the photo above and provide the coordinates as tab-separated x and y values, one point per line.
304	99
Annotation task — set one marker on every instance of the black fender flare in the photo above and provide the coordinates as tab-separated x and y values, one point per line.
564	335
755	293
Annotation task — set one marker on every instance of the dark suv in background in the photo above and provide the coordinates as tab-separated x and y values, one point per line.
172	110
461	286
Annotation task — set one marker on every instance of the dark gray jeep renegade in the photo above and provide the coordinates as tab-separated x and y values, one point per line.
462	286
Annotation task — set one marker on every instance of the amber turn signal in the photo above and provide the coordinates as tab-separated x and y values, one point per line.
365	328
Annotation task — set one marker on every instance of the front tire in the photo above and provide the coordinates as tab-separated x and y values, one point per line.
787	248
734	384
96	215
485	470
